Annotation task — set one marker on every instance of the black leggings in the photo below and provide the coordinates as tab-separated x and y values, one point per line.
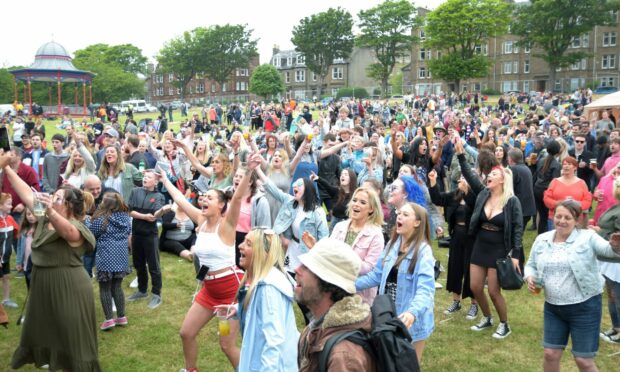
112	290
543	214
176	246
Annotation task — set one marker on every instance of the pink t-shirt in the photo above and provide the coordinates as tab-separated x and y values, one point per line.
606	185
244	224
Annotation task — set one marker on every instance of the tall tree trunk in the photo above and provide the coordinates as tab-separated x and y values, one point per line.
457	86
552	74
384	86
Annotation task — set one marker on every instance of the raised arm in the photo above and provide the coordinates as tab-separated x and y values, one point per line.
207	172
334	149
398	153
22	189
192	212
227	230
298	155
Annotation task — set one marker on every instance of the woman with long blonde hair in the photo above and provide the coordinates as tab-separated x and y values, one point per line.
80	165
497	224
269	338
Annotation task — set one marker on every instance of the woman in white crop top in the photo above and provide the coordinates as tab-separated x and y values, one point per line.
215	248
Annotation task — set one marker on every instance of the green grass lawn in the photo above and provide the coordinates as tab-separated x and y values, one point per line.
151	341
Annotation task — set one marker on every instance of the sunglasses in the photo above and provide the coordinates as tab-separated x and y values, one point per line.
577	141
266	231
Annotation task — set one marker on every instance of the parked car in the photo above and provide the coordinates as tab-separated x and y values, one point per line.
150	108
605	90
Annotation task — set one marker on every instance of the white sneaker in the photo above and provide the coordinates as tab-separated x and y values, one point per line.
438	285
134	283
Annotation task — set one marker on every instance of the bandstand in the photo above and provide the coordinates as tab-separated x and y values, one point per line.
52	65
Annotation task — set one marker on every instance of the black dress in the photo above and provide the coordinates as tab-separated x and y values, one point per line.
489	244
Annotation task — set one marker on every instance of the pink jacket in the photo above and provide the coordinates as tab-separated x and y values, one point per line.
368	245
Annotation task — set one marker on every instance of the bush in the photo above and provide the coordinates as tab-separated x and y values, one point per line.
491	92
352	92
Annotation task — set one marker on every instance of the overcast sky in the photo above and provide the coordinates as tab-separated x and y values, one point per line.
76	24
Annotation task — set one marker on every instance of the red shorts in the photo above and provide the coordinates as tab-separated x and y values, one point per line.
220	291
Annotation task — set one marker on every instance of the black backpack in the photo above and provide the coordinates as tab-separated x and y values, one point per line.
388	342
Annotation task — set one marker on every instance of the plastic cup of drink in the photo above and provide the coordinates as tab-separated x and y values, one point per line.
246	135
38	208
593	163
538	285
309	137
223	325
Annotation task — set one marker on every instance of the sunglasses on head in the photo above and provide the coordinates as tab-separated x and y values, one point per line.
266	231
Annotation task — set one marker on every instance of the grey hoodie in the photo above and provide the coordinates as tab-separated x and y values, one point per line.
51	170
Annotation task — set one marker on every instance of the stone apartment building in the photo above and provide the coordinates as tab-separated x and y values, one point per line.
517	69
201	89
301	83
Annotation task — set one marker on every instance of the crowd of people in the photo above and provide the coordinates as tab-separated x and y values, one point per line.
281	205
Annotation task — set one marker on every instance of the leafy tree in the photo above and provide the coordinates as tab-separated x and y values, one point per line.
396	82
112	82
266	81
552	25
386	29
458	28
217	51
323	37
183	56
126	56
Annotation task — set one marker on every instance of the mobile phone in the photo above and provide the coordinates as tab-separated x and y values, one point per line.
5	144
202	273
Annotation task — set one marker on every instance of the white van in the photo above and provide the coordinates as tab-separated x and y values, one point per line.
139	105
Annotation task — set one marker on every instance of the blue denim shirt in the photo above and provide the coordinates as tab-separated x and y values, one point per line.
315	222
584	248
268	329
415	292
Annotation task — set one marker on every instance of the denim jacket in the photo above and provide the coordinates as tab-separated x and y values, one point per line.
584	247
315	222
415	292
268	327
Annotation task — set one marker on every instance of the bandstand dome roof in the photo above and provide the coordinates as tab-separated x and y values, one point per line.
51	63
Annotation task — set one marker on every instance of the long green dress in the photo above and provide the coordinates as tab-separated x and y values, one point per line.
60	327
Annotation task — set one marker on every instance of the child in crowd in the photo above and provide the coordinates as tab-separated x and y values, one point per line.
8	231
145	204
23	263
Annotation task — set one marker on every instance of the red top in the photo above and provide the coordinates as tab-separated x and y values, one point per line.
28	175
559	191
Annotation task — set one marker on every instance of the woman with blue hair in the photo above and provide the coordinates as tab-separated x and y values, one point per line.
404	189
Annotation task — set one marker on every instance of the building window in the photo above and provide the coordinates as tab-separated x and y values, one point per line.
160	91
609	62
608	81
422	73
301	59
508	47
242	86
482	49
170	77
337	73
224	87
424	54
287	77
277	62
200	88
334	92
585	40
338	60
508	86
526	66
507	67
171	91
527	48
289	61
212	87
178	90
576	42
242	72
609	38
526	86
515	67
422	34
300	76
313	76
